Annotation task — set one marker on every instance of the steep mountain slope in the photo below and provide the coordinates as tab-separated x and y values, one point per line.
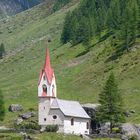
10	7
80	74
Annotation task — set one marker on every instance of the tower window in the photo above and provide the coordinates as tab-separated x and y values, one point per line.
44	88
45	119
44	77
72	121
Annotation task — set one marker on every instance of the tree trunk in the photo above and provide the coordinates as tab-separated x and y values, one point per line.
111	126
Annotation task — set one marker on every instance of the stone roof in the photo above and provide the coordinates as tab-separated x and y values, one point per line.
70	108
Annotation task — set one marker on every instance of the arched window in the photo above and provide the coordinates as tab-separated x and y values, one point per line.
45	119
72	121
87	125
44	88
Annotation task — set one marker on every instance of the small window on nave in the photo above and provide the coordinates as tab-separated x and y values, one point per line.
72	121
87	125
54	117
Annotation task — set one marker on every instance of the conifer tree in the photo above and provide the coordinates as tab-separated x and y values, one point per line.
2	109
65	36
111	109
2	50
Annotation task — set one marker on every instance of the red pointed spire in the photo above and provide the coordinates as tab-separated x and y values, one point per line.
47	67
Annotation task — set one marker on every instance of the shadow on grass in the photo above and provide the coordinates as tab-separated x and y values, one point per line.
119	52
83	53
103	38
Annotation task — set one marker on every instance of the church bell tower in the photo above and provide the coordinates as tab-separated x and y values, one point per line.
46	89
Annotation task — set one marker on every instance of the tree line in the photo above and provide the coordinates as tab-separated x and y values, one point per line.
120	18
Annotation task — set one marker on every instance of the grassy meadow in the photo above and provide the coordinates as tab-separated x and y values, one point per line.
80	75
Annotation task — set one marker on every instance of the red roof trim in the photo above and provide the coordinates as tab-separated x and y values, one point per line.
44	94
46	97
40	77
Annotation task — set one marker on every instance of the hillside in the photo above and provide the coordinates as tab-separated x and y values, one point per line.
8	7
80	74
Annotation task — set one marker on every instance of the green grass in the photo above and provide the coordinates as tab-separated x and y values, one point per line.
46	136
53	136
10	136
78	78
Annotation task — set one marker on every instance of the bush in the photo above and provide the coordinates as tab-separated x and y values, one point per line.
52	128
116	130
134	137
29	125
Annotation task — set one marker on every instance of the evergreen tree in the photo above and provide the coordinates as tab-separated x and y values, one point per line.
2	50
65	36
2	109
111	109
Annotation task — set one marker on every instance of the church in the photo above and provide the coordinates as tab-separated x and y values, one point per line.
70	117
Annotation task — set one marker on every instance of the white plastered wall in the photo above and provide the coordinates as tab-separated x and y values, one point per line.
79	127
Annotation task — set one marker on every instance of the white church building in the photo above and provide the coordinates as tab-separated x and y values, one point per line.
68	115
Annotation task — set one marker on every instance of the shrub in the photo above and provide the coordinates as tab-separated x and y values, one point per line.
28	125
52	128
116	130
133	137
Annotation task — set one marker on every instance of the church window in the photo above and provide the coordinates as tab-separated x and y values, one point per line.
44	88
54	117
44	107
72	121
87	125
44	77
45	119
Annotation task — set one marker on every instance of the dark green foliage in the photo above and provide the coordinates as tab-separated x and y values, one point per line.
134	137
5	136
2	50
2	108
28	125
52	128
91	18
59	4
66	30
111	109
